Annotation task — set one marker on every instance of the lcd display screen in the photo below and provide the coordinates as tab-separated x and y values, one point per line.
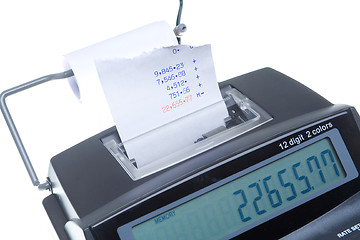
250	198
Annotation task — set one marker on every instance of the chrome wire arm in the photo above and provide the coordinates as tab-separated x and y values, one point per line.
11	125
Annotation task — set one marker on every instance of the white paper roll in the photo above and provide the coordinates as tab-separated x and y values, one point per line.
163	101
86	84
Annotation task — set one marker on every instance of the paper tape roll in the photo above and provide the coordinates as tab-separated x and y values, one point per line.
86	84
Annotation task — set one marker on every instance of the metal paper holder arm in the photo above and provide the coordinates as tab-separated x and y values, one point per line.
12	127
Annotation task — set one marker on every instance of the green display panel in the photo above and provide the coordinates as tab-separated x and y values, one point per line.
249	198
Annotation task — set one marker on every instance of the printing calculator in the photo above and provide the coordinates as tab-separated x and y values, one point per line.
285	165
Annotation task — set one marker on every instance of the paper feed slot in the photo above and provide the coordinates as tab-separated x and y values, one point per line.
244	115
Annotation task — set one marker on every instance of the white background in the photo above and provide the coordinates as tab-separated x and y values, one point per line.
314	42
